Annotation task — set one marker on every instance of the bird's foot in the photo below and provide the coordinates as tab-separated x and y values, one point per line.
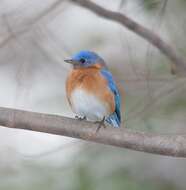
100	124
80	118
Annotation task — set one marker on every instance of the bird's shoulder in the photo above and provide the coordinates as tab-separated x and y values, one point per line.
110	80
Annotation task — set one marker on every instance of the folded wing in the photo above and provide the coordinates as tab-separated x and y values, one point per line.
115	118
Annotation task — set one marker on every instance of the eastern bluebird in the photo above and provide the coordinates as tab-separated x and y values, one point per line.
91	90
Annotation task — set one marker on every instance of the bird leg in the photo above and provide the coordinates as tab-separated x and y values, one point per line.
80	118
100	124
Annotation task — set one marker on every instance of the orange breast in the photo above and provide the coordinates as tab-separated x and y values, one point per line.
93	82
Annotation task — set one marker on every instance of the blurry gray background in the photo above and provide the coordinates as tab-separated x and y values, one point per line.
35	38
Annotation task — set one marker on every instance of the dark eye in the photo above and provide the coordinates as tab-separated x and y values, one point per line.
82	60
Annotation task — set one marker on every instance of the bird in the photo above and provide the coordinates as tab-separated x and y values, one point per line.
91	90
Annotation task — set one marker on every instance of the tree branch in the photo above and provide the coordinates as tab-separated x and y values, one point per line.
170	145
140	30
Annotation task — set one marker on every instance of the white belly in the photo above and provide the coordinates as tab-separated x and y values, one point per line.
85	104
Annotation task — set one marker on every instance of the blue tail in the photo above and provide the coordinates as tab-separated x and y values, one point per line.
113	120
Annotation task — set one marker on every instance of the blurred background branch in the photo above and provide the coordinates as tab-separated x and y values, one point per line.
32	22
170	145
179	64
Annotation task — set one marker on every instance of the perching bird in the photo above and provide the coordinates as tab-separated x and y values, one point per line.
91	90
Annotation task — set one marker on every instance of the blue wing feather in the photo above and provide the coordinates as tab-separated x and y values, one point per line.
115	118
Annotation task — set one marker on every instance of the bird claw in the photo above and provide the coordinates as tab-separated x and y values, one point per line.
80	118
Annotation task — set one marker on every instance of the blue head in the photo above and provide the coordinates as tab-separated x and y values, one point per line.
84	59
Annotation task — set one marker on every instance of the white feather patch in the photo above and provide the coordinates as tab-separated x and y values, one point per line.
86	104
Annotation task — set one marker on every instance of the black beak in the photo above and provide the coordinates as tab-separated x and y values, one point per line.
71	61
